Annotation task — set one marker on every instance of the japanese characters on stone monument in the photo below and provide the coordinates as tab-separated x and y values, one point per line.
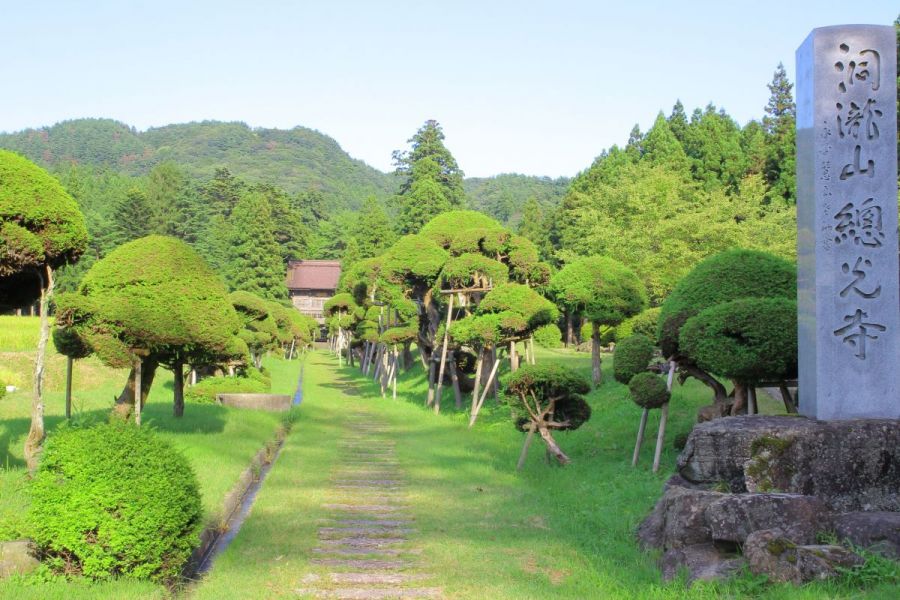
849	311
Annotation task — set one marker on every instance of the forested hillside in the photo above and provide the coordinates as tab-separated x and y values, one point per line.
295	160
504	196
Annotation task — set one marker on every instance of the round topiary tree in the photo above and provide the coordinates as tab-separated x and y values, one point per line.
631	356
151	302
648	390
727	276
41	229
644	323
115	501
601	289
548	336
547	397
750	341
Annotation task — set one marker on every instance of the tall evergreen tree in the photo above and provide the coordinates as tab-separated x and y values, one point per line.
780	126
373	232
433	182
291	234
661	147
678	121
254	258
535	227
133	217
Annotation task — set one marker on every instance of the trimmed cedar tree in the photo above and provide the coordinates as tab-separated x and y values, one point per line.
259	329
721	278
750	341
41	229
152	301
548	397
648	390
631	356
602	290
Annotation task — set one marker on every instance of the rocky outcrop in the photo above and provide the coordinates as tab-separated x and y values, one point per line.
878	531
852	465
767	486
735	516
771	552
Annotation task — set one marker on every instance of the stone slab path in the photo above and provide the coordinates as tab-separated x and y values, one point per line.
365	543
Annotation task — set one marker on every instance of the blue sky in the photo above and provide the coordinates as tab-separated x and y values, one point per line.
531	87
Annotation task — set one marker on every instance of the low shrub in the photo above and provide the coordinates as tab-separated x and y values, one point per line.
205	391
115	500
632	355
648	390
548	336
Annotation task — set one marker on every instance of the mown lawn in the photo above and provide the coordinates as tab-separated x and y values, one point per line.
219	441
486	530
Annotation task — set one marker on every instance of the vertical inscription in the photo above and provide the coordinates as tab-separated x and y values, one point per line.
848	283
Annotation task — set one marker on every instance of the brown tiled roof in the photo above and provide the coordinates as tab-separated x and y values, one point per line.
313	274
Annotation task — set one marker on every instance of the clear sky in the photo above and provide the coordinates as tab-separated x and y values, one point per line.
530	87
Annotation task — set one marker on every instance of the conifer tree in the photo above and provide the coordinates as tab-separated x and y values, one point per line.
254	258
433	181
133	218
661	147
373	232
678	121
780	126
535	227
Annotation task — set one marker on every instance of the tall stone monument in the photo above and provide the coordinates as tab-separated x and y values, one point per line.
849	311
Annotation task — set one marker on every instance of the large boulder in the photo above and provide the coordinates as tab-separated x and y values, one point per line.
733	517
770	552
678	519
17	558
702	561
852	465
878	531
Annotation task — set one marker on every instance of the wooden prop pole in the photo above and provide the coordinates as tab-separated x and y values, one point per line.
69	362
440	380
524	454
640	437
484	394
664	417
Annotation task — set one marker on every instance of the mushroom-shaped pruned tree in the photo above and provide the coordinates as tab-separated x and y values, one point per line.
603	291
41	229
509	313
343	313
727	276
259	329
151	302
750	341
544	398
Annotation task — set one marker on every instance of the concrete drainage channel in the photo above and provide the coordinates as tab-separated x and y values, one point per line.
216	537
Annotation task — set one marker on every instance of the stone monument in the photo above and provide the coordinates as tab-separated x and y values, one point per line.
849	310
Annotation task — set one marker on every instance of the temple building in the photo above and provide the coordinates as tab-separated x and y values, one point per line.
311	283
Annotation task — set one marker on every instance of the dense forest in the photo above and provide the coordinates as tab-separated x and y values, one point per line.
251	199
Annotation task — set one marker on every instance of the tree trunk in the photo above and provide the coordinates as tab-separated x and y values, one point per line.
454	377
740	398
721	394
552	448
407	357
570	329
431	368
513	357
178	387
138	396
125	403
596	372
36	432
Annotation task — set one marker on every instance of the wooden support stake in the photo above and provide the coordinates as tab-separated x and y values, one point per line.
640	437
138	388
660	436
786	397
69	362
484	393
440	380
479	365
524	454
396	368
513	357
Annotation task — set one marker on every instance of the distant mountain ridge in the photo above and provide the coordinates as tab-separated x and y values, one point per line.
295	159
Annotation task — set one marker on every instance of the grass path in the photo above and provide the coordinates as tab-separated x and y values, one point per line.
477	527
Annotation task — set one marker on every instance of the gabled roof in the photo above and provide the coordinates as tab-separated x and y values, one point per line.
313	274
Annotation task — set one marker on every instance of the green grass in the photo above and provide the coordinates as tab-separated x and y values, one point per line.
219	442
486	530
